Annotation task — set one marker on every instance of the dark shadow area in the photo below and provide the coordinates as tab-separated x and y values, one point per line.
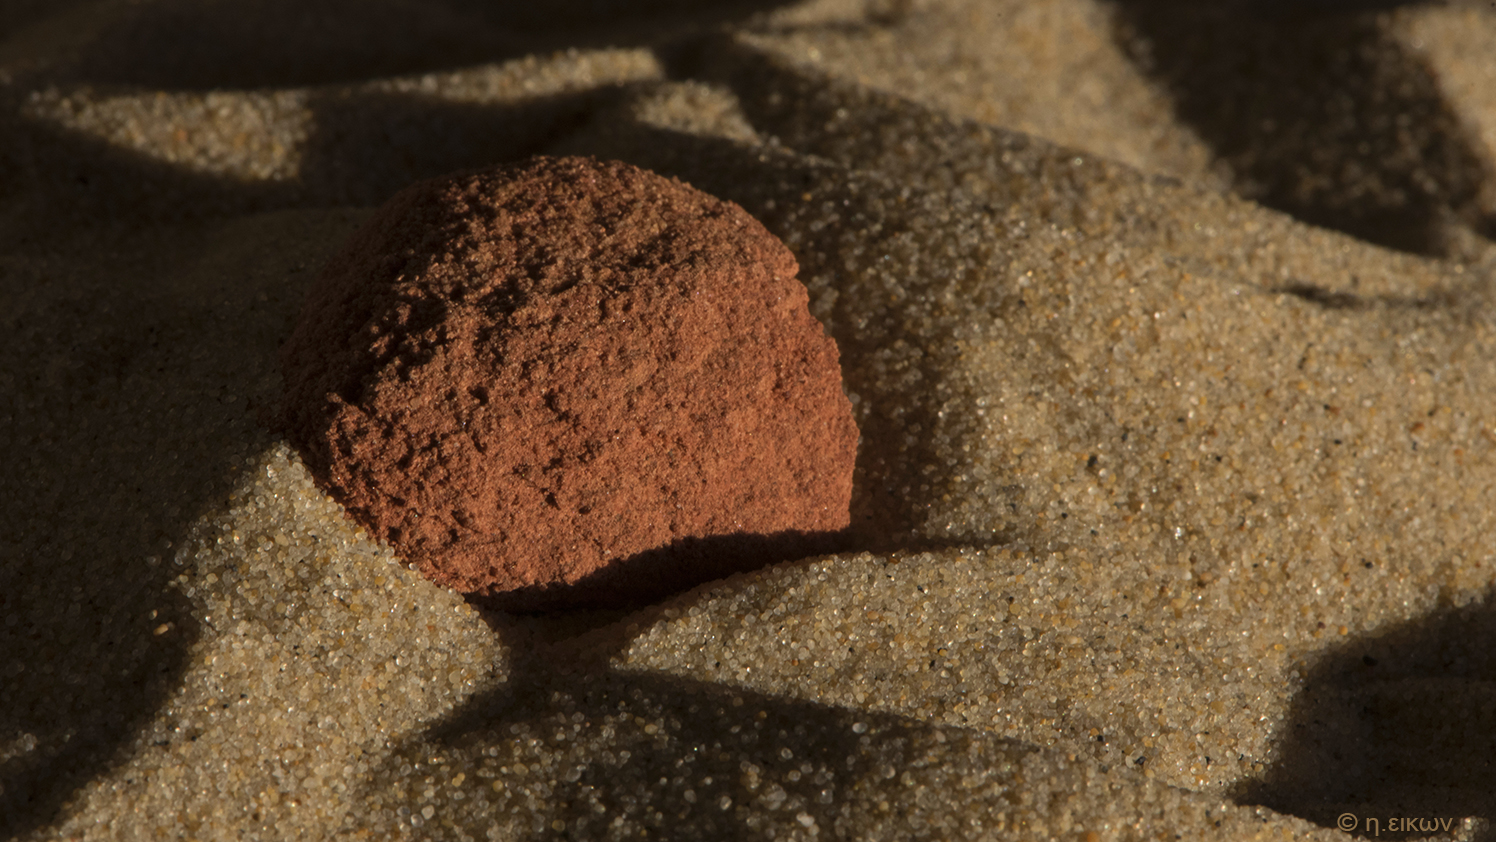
1322	7
1316	111
629	18
118	444
649	576
195	45
1400	724
190	45
78	690
16	15
1341	300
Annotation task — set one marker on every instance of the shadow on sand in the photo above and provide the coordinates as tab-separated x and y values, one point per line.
1316	110
1398	724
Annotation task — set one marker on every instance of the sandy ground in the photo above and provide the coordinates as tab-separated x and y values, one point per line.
1169	328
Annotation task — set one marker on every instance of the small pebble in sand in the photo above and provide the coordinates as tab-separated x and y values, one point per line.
568	382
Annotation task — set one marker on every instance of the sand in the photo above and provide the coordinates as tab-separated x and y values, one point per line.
1173	498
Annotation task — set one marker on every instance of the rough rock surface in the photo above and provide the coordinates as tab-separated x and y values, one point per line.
570	382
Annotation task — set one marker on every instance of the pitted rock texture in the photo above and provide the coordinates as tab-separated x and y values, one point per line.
567	382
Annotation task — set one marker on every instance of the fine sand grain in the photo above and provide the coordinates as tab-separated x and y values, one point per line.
1170	334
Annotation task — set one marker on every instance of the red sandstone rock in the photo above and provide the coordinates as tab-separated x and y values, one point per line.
569	382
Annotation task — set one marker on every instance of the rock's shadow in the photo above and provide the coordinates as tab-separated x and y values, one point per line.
1398	724
663	571
1316	111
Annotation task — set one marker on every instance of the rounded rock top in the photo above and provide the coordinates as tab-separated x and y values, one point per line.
568	382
